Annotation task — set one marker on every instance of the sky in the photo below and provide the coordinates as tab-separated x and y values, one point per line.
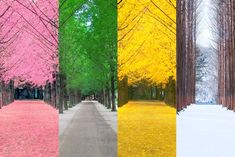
205	22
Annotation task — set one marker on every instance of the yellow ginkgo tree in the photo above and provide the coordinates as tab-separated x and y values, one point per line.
146	43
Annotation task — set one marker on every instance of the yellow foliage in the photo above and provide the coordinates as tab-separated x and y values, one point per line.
146	129
147	40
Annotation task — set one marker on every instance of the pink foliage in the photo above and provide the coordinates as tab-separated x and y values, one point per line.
29	40
29	128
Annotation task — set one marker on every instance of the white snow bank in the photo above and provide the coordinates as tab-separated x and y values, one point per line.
206	131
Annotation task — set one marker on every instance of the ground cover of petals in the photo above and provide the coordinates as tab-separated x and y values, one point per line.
146	129
28	129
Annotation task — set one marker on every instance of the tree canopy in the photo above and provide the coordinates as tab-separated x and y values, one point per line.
88	43
28	40
146	40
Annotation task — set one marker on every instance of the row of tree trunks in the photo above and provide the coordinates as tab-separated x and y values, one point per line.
170	92
50	93
107	98
123	91
160	92
32	93
186	52
226	47
144	91
6	93
66	98
147	92
113	97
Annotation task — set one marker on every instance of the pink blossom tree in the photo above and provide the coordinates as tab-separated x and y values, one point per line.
28	41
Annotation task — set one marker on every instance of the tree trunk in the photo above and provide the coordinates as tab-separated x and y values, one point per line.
59	94
170	97
1	94
65	93
113	92
109	98
70	98
123	91
185	46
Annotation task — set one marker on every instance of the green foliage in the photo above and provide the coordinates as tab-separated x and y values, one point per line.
88	43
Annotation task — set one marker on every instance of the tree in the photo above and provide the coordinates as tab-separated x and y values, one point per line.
28	44
186	49
223	44
29	40
87	46
146	42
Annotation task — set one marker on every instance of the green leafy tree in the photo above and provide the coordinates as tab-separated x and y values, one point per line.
88	46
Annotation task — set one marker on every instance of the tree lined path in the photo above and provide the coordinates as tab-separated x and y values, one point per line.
28	70
205	78
205	53
146	78
87	70
28	128
88	135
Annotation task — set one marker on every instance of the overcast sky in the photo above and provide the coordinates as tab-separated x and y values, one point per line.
205	34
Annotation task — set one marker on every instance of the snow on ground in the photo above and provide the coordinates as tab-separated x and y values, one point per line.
206	131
